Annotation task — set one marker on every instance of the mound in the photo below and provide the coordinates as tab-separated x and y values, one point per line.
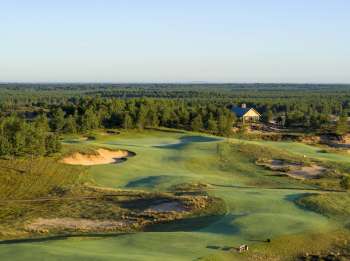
102	156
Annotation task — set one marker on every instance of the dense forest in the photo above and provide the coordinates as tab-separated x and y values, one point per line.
34	115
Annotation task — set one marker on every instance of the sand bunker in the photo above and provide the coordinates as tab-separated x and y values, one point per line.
307	172
72	224
279	165
102	156
167	207
295	169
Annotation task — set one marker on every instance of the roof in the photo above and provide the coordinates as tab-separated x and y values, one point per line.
240	112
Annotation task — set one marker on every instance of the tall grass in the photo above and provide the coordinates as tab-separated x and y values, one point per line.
30	179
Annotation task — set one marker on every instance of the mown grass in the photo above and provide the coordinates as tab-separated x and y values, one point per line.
259	204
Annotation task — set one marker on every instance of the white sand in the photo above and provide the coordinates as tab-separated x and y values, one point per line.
102	156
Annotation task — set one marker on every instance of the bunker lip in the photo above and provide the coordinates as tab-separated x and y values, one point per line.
102	156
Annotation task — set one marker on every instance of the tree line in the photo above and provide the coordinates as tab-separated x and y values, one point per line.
19	137
85	114
38	133
79	108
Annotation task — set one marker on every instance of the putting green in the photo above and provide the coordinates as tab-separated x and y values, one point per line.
167	158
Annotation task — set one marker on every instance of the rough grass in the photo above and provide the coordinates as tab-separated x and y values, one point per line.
259	205
28	179
290	248
31	189
334	205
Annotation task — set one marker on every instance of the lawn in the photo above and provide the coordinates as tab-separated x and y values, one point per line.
259	205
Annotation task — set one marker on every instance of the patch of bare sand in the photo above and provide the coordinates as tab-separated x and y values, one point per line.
279	165
167	207
295	169
307	172
102	156
73	224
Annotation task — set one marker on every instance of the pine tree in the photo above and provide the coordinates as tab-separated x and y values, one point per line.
127	121
197	123
57	121
141	117
70	125
342	126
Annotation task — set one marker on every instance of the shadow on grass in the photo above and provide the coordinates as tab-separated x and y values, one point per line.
223	248
294	198
60	237
185	225
123	144
151	181
186	140
166	130
279	188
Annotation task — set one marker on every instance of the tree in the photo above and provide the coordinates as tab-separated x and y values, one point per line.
212	124
165	116
225	123
342	126
197	123
267	115
52	144
141	117
57	121
89	120
127	121
21	138
70	125
42	122
152	118
34	141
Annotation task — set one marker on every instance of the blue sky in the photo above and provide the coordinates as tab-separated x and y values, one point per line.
175	41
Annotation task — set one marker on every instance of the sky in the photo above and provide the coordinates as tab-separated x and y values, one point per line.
296	41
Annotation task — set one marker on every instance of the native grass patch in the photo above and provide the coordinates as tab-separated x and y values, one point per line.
321	173
43	197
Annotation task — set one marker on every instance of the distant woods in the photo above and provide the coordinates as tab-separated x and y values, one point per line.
85	114
309	106
32	116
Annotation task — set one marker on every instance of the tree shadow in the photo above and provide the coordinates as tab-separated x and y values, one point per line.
185	140
150	181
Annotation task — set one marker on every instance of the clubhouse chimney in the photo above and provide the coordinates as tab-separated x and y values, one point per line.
244	106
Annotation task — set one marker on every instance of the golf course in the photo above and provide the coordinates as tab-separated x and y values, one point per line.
175	130
259	205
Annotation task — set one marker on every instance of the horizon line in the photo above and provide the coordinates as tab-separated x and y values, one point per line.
170	82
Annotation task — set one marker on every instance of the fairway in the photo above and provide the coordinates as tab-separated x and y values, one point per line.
163	159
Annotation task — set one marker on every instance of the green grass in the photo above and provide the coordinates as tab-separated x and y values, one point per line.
258	205
334	205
